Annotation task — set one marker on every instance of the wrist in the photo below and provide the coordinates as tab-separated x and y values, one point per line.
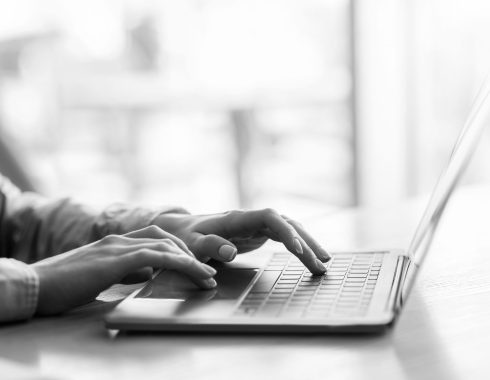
170	222
122	218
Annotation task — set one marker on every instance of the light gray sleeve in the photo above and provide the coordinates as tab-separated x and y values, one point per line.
19	289
35	227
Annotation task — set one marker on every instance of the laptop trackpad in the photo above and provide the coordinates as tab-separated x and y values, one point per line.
178	296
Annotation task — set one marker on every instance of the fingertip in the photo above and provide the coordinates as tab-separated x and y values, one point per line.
216	247
209	269
324	259
321	267
209	283
227	252
325	255
317	268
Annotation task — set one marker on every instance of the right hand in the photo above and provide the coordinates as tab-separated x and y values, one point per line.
78	276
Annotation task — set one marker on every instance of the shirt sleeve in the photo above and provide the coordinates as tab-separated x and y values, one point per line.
35	227
19	288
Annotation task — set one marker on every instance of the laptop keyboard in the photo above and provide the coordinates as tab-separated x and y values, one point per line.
287	289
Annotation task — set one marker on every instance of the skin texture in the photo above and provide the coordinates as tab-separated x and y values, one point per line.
243	231
177	241
78	276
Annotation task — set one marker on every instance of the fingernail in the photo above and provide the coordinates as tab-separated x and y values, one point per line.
227	252
211	271
210	283
323	259
320	266
298	247
325	255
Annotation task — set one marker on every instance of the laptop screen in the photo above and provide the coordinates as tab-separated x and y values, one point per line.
465	146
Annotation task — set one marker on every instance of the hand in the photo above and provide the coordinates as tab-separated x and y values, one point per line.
78	276
222	236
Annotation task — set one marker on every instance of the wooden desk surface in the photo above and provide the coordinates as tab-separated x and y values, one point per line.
443	332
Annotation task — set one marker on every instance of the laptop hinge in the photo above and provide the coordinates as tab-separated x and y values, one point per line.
395	296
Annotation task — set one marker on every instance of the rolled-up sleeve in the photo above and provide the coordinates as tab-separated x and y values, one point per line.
19	289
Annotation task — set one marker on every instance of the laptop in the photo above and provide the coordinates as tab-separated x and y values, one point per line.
274	292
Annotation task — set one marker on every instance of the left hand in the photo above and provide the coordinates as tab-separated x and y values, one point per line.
222	236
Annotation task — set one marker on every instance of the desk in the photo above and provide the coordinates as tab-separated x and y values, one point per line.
443	332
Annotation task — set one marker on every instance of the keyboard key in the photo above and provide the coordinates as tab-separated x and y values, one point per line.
332	288
329	277
280	295
354	285
275	267
311	280
288	282
285	286
350	280
292	291
351	290
325	296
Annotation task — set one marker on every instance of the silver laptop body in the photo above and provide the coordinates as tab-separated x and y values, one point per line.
274	292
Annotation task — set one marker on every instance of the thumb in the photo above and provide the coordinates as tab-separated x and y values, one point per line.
216	247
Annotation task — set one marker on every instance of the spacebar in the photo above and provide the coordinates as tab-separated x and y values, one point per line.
266	281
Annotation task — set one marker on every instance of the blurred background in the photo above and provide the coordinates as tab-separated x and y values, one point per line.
307	106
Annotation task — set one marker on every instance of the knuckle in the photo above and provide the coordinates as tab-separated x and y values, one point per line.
156	247
270	212
234	213
140	253
153	229
167	241
110	239
187	260
160	247
177	241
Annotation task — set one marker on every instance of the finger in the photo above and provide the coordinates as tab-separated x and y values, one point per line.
282	231
319	251
269	222
248	244
130	245
308	257
162	245
155	232
200	273
239	223
288	235
215	247
141	275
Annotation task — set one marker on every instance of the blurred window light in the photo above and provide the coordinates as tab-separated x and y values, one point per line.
209	104
449	59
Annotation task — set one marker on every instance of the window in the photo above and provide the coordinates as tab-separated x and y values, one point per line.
210	104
